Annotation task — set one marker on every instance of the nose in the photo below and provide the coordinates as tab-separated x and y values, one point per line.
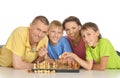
55	34
40	34
86	38
70	31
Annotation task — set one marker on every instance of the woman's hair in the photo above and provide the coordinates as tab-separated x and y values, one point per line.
92	26
71	18
43	19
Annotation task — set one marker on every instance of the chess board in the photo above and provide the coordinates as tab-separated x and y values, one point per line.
56	67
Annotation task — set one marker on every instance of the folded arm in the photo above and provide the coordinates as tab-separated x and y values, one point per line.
102	64
18	63
85	64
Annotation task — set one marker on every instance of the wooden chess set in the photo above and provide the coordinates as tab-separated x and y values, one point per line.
56	66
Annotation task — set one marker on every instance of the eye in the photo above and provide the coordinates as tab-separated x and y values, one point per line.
73	27
83	36
66	29
88	34
59	32
38	29
44	32
52	31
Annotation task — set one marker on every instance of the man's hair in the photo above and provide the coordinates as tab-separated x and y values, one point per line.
43	19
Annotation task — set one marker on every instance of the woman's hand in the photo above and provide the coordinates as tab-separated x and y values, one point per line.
68	55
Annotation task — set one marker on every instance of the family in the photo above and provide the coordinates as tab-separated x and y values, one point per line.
42	40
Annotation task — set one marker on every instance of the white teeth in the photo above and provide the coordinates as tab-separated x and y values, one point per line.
72	35
55	39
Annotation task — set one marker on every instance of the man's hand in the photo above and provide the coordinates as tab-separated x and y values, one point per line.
42	51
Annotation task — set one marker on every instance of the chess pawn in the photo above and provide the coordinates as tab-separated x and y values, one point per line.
35	66
41	65
60	56
54	65
35	71
38	64
73	64
48	65
69	64
52	71
76	66
44	64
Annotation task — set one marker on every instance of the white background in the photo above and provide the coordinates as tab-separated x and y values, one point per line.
105	13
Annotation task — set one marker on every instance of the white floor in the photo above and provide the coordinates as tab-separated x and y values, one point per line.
12	73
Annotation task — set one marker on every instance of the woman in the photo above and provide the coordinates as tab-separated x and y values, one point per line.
72	26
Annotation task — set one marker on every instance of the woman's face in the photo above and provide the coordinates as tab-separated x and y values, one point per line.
55	33
72	29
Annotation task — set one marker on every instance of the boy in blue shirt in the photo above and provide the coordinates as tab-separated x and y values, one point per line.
57	42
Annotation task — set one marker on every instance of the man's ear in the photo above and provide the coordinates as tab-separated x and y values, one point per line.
30	25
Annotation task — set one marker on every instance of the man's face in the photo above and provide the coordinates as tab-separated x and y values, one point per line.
38	31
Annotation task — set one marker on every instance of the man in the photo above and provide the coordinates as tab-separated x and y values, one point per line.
26	44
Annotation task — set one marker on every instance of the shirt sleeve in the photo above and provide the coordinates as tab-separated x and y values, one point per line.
16	43
66	45
105	47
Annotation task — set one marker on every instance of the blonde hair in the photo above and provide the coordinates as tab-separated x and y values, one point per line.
56	23
43	19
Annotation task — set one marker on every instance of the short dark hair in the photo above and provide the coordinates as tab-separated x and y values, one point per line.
91	25
43	19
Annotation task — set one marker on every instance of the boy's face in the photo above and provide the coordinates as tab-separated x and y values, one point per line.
55	33
72	29
90	36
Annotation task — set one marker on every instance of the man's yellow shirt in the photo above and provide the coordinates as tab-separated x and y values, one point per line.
18	43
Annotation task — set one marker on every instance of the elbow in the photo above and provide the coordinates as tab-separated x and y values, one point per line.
16	66
89	68
102	68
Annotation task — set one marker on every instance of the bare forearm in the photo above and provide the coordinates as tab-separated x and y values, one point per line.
23	65
102	65
84	63
39	59
98	67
